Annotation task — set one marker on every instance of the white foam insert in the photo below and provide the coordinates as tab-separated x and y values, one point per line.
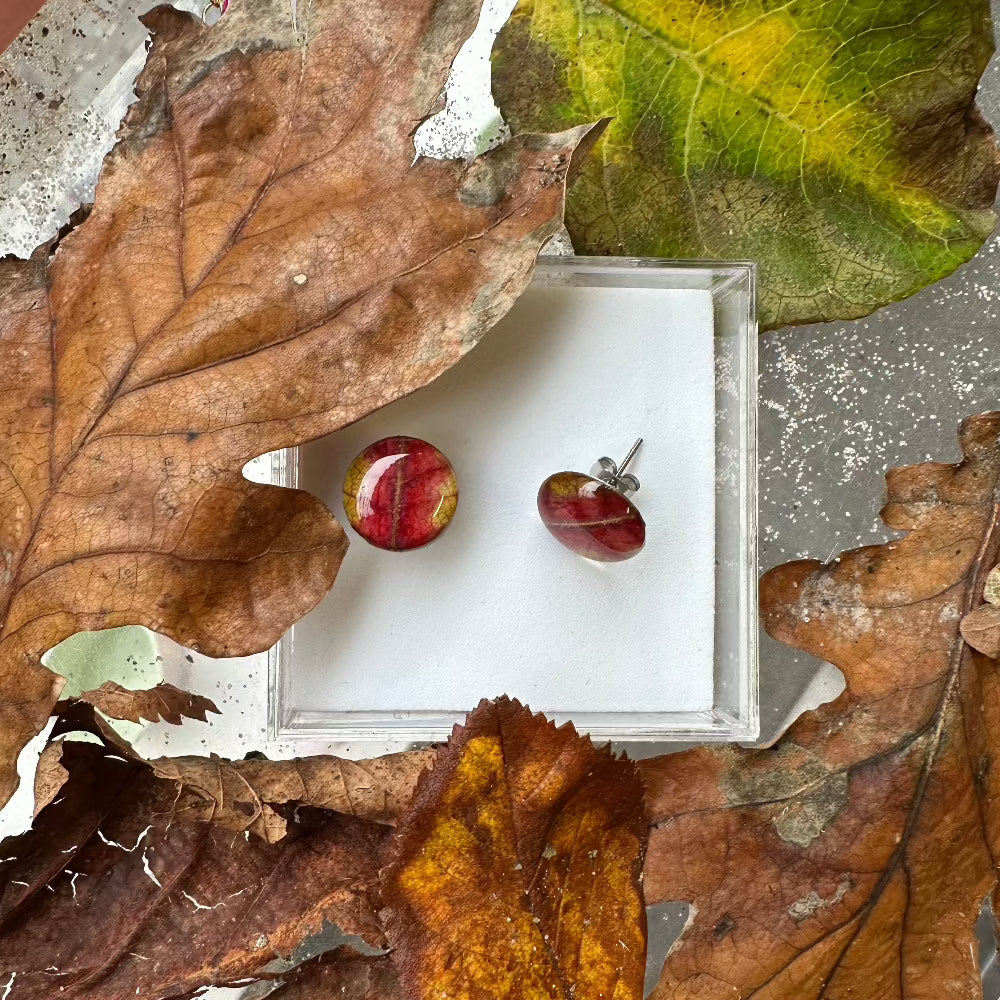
496	605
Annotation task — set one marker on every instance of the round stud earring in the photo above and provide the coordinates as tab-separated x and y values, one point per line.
592	515
400	493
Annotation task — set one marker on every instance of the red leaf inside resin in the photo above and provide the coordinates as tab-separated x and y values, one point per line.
400	493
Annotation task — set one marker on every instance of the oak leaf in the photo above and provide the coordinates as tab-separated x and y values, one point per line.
515	872
164	702
114	895
851	859
838	145
264	263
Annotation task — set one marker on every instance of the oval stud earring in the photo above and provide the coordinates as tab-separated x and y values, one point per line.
593	515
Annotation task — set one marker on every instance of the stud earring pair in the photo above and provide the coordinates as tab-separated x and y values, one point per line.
401	492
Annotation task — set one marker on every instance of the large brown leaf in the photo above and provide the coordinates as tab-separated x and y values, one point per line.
113	895
515	873
263	265
850	859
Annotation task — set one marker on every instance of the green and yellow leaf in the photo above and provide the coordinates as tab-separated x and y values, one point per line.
837	144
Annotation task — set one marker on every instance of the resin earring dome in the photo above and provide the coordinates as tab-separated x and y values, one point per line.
593	515
400	493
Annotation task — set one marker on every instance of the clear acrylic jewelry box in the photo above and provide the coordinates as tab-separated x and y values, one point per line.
302	704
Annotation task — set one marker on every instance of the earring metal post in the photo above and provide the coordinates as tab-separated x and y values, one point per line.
628	458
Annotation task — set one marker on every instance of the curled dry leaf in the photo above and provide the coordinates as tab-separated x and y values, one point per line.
164	702
850	859
243	795
247	795
263	264
113	895
981	627
50	776
839	146
515	872
981	630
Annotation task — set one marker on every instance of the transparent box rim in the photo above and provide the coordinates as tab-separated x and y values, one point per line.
734	715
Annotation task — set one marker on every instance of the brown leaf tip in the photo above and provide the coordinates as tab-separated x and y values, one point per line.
163	702
979	435
167	23
505	710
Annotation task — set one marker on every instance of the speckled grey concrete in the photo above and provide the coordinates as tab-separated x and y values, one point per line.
64	86
842	402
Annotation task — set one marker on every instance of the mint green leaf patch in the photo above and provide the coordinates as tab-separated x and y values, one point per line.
835	143
126	655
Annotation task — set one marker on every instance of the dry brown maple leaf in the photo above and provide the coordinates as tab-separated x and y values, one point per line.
113	895
243	795
850	859
515	872
164	702
263	264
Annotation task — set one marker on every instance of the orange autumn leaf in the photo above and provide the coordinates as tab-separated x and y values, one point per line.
515	873
264	264
850	859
